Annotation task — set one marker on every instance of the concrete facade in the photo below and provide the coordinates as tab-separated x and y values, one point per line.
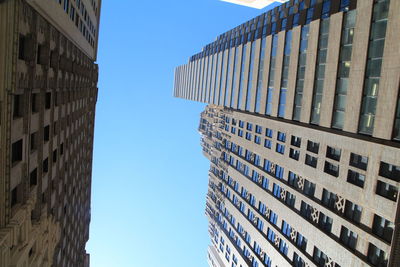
321	188
48	93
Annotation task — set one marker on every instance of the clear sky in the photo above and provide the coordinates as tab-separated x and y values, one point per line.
149	175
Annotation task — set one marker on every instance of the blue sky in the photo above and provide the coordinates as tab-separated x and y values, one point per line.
149	175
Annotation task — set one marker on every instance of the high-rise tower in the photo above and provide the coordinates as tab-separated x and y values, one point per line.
48	93
302	131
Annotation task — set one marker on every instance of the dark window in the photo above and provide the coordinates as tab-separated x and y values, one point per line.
358	161
312	147
311	161
331	169
249	126
33	177
328	199
333	153
34	103
48	100
383	228
294	154
296	141
377	256
325	223
389	171
18	106
348	238
34	141
16	151
55	156
14	196
46	133
45	166
355	178
61	148
386	190
352	211
319	257
21	51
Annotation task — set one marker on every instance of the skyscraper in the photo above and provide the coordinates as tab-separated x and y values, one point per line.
48	93
302	131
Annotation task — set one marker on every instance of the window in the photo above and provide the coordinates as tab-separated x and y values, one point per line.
295	141
358	161
249	126
333	153
34	103
355	178
352	212
248	136
17	106
258	129
46	133
311	161
331	169
45	165
328	199
386	190
294	154
240	133
348	238
267	143
280	148
34	141
33	177
14	196
298	261
48	100
241	124
312	146
319	257
376	256
281	137
325	223
383	228
16	153
269	132
257	139
389	171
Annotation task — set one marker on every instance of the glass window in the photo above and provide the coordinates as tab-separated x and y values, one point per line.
358	161
383	228
389	171
386	190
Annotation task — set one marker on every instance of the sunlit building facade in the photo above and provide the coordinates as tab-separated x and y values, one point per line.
48	93
302	131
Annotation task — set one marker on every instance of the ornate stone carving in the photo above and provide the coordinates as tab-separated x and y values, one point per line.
340	203
293	235
315	215
300	182
277	240
283	193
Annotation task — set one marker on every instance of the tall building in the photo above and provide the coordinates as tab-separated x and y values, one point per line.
48	93
302	131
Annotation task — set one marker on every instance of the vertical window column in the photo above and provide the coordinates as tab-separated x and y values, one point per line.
242	76
320	71
285	74
346	47
235	69
301	70
250	78
271	75
260	76
374	64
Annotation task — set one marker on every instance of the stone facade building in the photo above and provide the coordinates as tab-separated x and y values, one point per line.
48	93
302	131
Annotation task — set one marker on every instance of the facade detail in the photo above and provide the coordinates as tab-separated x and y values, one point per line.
48	93
302	132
